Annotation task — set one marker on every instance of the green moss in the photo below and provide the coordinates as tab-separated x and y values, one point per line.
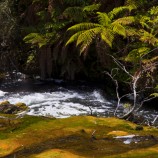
22	106
4	102
39	135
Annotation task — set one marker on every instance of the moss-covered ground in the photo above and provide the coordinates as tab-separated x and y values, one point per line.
74	137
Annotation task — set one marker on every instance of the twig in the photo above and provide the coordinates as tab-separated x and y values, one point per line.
154	120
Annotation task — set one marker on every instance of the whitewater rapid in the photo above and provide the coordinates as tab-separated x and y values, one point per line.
61	103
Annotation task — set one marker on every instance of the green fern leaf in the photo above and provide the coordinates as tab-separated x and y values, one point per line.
119	29
74	37
148	38
35	39
87	36
117	11
125	20
91	8
107	36
136	54
83	26
103	19
154	95
131	31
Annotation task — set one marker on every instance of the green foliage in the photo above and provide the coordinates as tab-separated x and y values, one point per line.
106	28
147	37
154	94
103	19
136	54
36	39
131	30
8	20
91	8
79	13
119	10
75	2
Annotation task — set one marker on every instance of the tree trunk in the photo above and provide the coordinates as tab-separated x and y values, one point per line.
45	60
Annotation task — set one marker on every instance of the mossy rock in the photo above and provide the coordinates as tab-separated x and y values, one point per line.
22	106
4	102
7	108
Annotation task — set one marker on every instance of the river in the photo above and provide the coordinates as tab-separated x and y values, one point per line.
60	99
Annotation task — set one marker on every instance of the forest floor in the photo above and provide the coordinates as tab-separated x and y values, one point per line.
75	137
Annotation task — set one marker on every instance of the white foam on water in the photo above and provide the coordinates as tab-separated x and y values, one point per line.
58	103
2	93
127	136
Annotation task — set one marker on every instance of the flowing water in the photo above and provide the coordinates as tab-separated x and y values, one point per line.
59	99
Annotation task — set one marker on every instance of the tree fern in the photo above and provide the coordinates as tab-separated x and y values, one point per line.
106	28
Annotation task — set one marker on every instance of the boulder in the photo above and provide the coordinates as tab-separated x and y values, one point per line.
7	108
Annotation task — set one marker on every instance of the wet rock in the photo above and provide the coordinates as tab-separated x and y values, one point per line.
22	106
7	108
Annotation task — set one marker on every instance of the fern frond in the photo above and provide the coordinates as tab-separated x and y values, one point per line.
103	19
148	38
131	31
87	36
136	54
125	20
154	95
119	29
83	26
74	37
107	36
133	4
91	8
144	20
35	39
117	11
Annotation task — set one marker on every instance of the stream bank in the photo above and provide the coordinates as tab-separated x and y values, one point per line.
78	136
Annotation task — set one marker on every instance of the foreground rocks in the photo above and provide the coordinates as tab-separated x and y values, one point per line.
7	108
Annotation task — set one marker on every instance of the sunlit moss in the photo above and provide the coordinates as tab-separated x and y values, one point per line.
80	136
